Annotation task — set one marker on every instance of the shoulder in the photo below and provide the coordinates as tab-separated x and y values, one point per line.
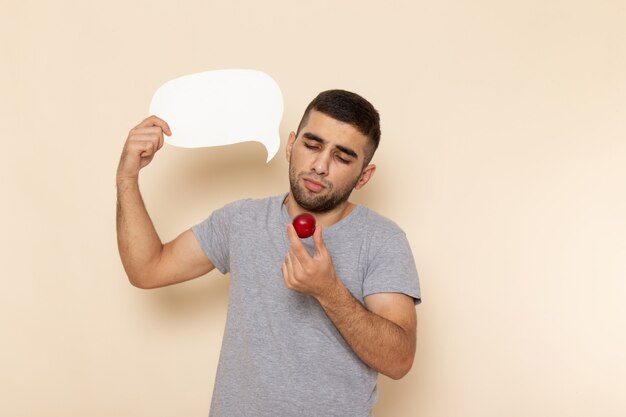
384	238
250	205
379	227
249	210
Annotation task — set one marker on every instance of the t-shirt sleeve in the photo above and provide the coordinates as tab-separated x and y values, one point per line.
214	236
392	269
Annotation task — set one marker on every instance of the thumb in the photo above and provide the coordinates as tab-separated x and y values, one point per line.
318	242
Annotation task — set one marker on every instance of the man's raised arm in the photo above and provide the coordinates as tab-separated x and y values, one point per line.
149	263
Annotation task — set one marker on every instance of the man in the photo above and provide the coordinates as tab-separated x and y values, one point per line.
310	322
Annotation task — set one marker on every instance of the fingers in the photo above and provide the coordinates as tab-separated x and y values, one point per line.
288	270
318	242
151	133
140	143
155	121
283	268
297	247
143	141
285	271
151	129
292	235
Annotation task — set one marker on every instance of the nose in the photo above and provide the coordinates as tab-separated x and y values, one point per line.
320	164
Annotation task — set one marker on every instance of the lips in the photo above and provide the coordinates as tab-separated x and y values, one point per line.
314	186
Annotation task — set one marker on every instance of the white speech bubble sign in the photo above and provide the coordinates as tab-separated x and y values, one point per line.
221	107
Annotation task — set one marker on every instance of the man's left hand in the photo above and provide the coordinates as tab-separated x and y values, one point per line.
313	275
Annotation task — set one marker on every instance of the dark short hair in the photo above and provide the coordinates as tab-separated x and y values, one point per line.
349	108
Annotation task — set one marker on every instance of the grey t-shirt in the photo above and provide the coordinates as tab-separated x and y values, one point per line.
281	355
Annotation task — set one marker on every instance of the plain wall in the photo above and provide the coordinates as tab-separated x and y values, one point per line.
503	158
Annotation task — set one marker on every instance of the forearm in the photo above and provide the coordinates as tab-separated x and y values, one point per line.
379	343
383	336
138	242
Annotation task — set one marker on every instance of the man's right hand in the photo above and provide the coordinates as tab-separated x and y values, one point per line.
149	263
143	141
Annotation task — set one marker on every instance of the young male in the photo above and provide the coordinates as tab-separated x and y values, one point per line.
311	322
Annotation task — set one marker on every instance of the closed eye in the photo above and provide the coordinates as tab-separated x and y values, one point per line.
342	160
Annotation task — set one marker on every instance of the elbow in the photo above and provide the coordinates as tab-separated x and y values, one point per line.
144	276
143	273
138	283
141	281
400	368
398	373
403	363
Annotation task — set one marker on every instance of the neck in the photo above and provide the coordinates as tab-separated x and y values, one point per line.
326	219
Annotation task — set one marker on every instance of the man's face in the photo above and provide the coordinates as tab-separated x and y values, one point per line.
326	163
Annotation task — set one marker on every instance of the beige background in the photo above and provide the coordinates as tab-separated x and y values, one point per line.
503	155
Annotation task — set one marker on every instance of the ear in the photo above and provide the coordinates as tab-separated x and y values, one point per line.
366	175
290	141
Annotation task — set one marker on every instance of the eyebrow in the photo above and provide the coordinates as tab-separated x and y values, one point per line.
314	137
